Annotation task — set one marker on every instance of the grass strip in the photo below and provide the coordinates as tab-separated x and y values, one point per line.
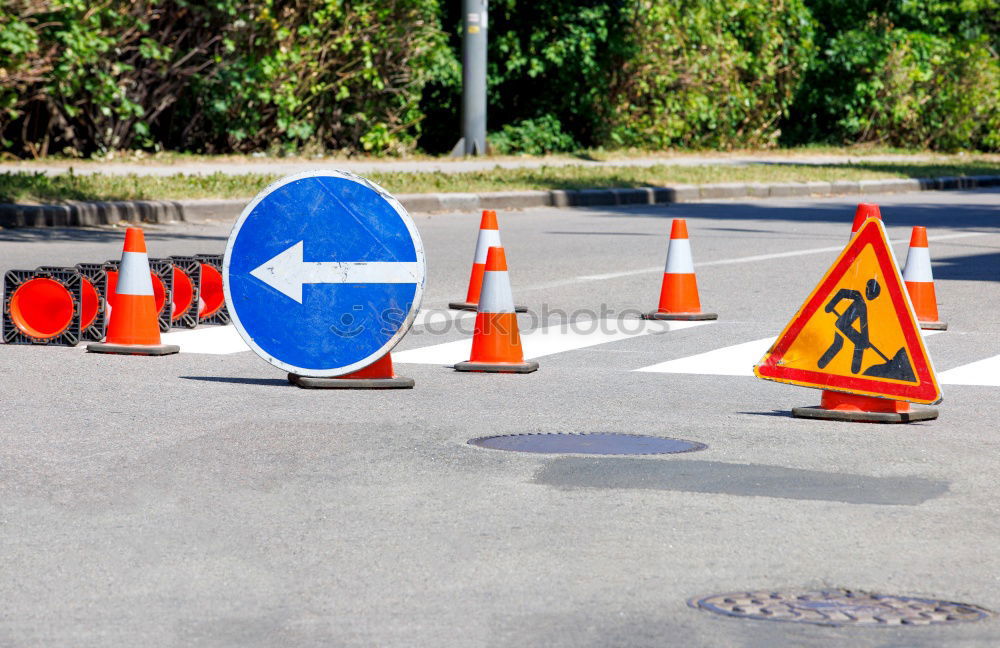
30	187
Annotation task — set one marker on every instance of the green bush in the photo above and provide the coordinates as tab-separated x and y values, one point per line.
96	76
546	57
327	73
532	136
707	73
918	73
91	77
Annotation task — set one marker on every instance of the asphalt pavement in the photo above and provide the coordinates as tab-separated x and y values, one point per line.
200	500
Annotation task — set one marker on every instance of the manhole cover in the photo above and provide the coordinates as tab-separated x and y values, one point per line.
600	443
839	608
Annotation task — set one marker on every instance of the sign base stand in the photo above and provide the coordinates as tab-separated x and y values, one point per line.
687	317
933	326
378	375
838	406
469	306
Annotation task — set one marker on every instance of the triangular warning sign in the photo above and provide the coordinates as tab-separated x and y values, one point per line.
857	332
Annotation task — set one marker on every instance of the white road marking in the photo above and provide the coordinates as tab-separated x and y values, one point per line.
984	372
557	338
224	340
750	259
211	340
735	360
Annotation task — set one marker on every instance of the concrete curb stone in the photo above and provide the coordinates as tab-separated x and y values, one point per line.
80	214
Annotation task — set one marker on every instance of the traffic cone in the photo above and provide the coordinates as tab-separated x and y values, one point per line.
920	281
185	293
42	306
378	375
839	406
496	343
489	236
679	290
863	213
133	328
94	313
211	295
161	274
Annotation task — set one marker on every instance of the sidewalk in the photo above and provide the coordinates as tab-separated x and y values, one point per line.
284	166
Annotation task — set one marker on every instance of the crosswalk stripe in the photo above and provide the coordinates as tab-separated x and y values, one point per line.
557	338
984	372
735	360
225	340
211	340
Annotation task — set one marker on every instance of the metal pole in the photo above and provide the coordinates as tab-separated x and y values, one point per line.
474	41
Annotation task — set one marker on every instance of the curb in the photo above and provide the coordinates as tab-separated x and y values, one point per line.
79	214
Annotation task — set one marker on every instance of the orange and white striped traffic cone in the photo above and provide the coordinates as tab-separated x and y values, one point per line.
489	236
496	343
133	328
920	281
863	213
679	290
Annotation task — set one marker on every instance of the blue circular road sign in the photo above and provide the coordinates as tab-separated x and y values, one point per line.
324	272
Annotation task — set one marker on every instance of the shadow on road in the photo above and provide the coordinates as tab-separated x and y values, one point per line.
269	382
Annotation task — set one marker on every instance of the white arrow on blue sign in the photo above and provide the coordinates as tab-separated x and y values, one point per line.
324	272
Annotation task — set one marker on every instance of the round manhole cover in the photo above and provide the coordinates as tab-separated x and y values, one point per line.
599	443
839	608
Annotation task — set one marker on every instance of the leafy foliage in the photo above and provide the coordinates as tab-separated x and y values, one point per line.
340	75
532	136
919	73
89	77
708	73
95	76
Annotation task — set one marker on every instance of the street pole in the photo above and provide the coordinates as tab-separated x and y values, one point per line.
473	141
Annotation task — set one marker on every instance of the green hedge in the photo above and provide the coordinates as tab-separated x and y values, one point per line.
708	73
89	77
911	73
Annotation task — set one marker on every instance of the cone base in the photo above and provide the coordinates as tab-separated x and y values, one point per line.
469	306
497	367
134	349
689	317
911	416
933	326
309	382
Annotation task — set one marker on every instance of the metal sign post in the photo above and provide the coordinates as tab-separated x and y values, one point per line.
473	141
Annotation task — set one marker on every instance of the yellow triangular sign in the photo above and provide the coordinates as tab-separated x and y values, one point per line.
857	332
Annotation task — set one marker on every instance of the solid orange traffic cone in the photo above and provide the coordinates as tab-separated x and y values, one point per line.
863	213
133	328
378	375
496	343
489	236
679	290
920	281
